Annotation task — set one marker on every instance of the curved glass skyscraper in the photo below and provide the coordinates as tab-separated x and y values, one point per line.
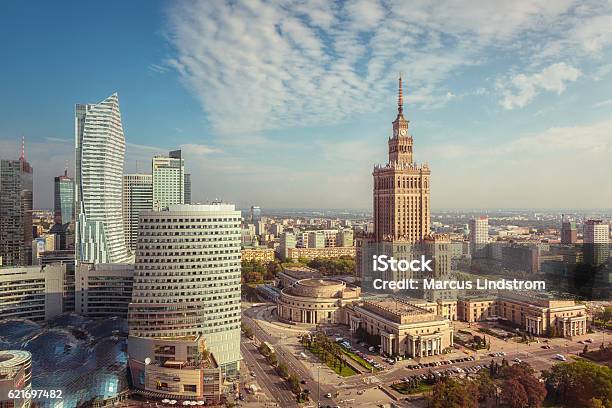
100	151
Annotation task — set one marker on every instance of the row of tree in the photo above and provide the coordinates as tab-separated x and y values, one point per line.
516	385
329	351
572	385
283	371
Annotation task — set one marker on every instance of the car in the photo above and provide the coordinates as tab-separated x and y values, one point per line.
580	342
560	357
303	382
371	349
546	346
517	360
589	340
328	395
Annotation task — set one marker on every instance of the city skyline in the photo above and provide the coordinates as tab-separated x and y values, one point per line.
499	107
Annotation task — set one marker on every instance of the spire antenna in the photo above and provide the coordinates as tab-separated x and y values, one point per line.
22	148
400	97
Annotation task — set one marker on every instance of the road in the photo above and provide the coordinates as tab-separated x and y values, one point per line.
265	375
295	366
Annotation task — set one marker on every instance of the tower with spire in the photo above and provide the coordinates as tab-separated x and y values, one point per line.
401	187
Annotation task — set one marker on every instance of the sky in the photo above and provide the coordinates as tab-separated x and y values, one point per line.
289	103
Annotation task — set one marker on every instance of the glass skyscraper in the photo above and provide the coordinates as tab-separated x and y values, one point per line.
100	151
63	203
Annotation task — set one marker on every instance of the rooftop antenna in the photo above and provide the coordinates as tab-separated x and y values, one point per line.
22	148
66	169
136	166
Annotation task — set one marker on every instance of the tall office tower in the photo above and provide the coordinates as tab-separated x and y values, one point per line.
287	240
569	232
187	188
255	215
401	188
168	180
16	211
596	238
137	197
479	236
100	151
187	280
63	199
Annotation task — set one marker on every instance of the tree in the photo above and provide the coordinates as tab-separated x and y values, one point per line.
533	390
514	394
450	393
283	370
576	384
486	385
294	383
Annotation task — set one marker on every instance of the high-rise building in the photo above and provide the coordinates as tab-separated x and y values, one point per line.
100	151
168	180
137	197
569	232
401	188
63	199
16	193
187	188
187	283
596	232
287	241
479	236
596	238
255	215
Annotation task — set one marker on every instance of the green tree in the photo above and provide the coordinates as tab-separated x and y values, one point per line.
576	384
533	390
450	393
294	383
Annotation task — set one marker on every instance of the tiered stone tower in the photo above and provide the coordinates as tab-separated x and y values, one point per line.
401	188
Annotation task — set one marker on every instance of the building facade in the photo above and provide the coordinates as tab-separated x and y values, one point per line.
36	292
168	180
103	290
137	197
312	253
316	301
187	278
63	199
538	315
479	237
569	232
402	327
100	151
15	375
401	188
264	255
16	195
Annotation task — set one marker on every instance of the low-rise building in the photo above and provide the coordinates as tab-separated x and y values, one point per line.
315	301
35	292
538	315
103	290
312	253
174	367
403	328
263	255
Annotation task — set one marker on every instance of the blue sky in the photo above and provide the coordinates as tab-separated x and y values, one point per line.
288	103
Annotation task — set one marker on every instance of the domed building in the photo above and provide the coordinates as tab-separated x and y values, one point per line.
314	301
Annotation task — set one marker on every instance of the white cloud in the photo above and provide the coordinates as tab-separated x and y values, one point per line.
275	64
199	149
607	102
524	88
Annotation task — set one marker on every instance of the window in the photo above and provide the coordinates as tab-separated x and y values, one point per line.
189	388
